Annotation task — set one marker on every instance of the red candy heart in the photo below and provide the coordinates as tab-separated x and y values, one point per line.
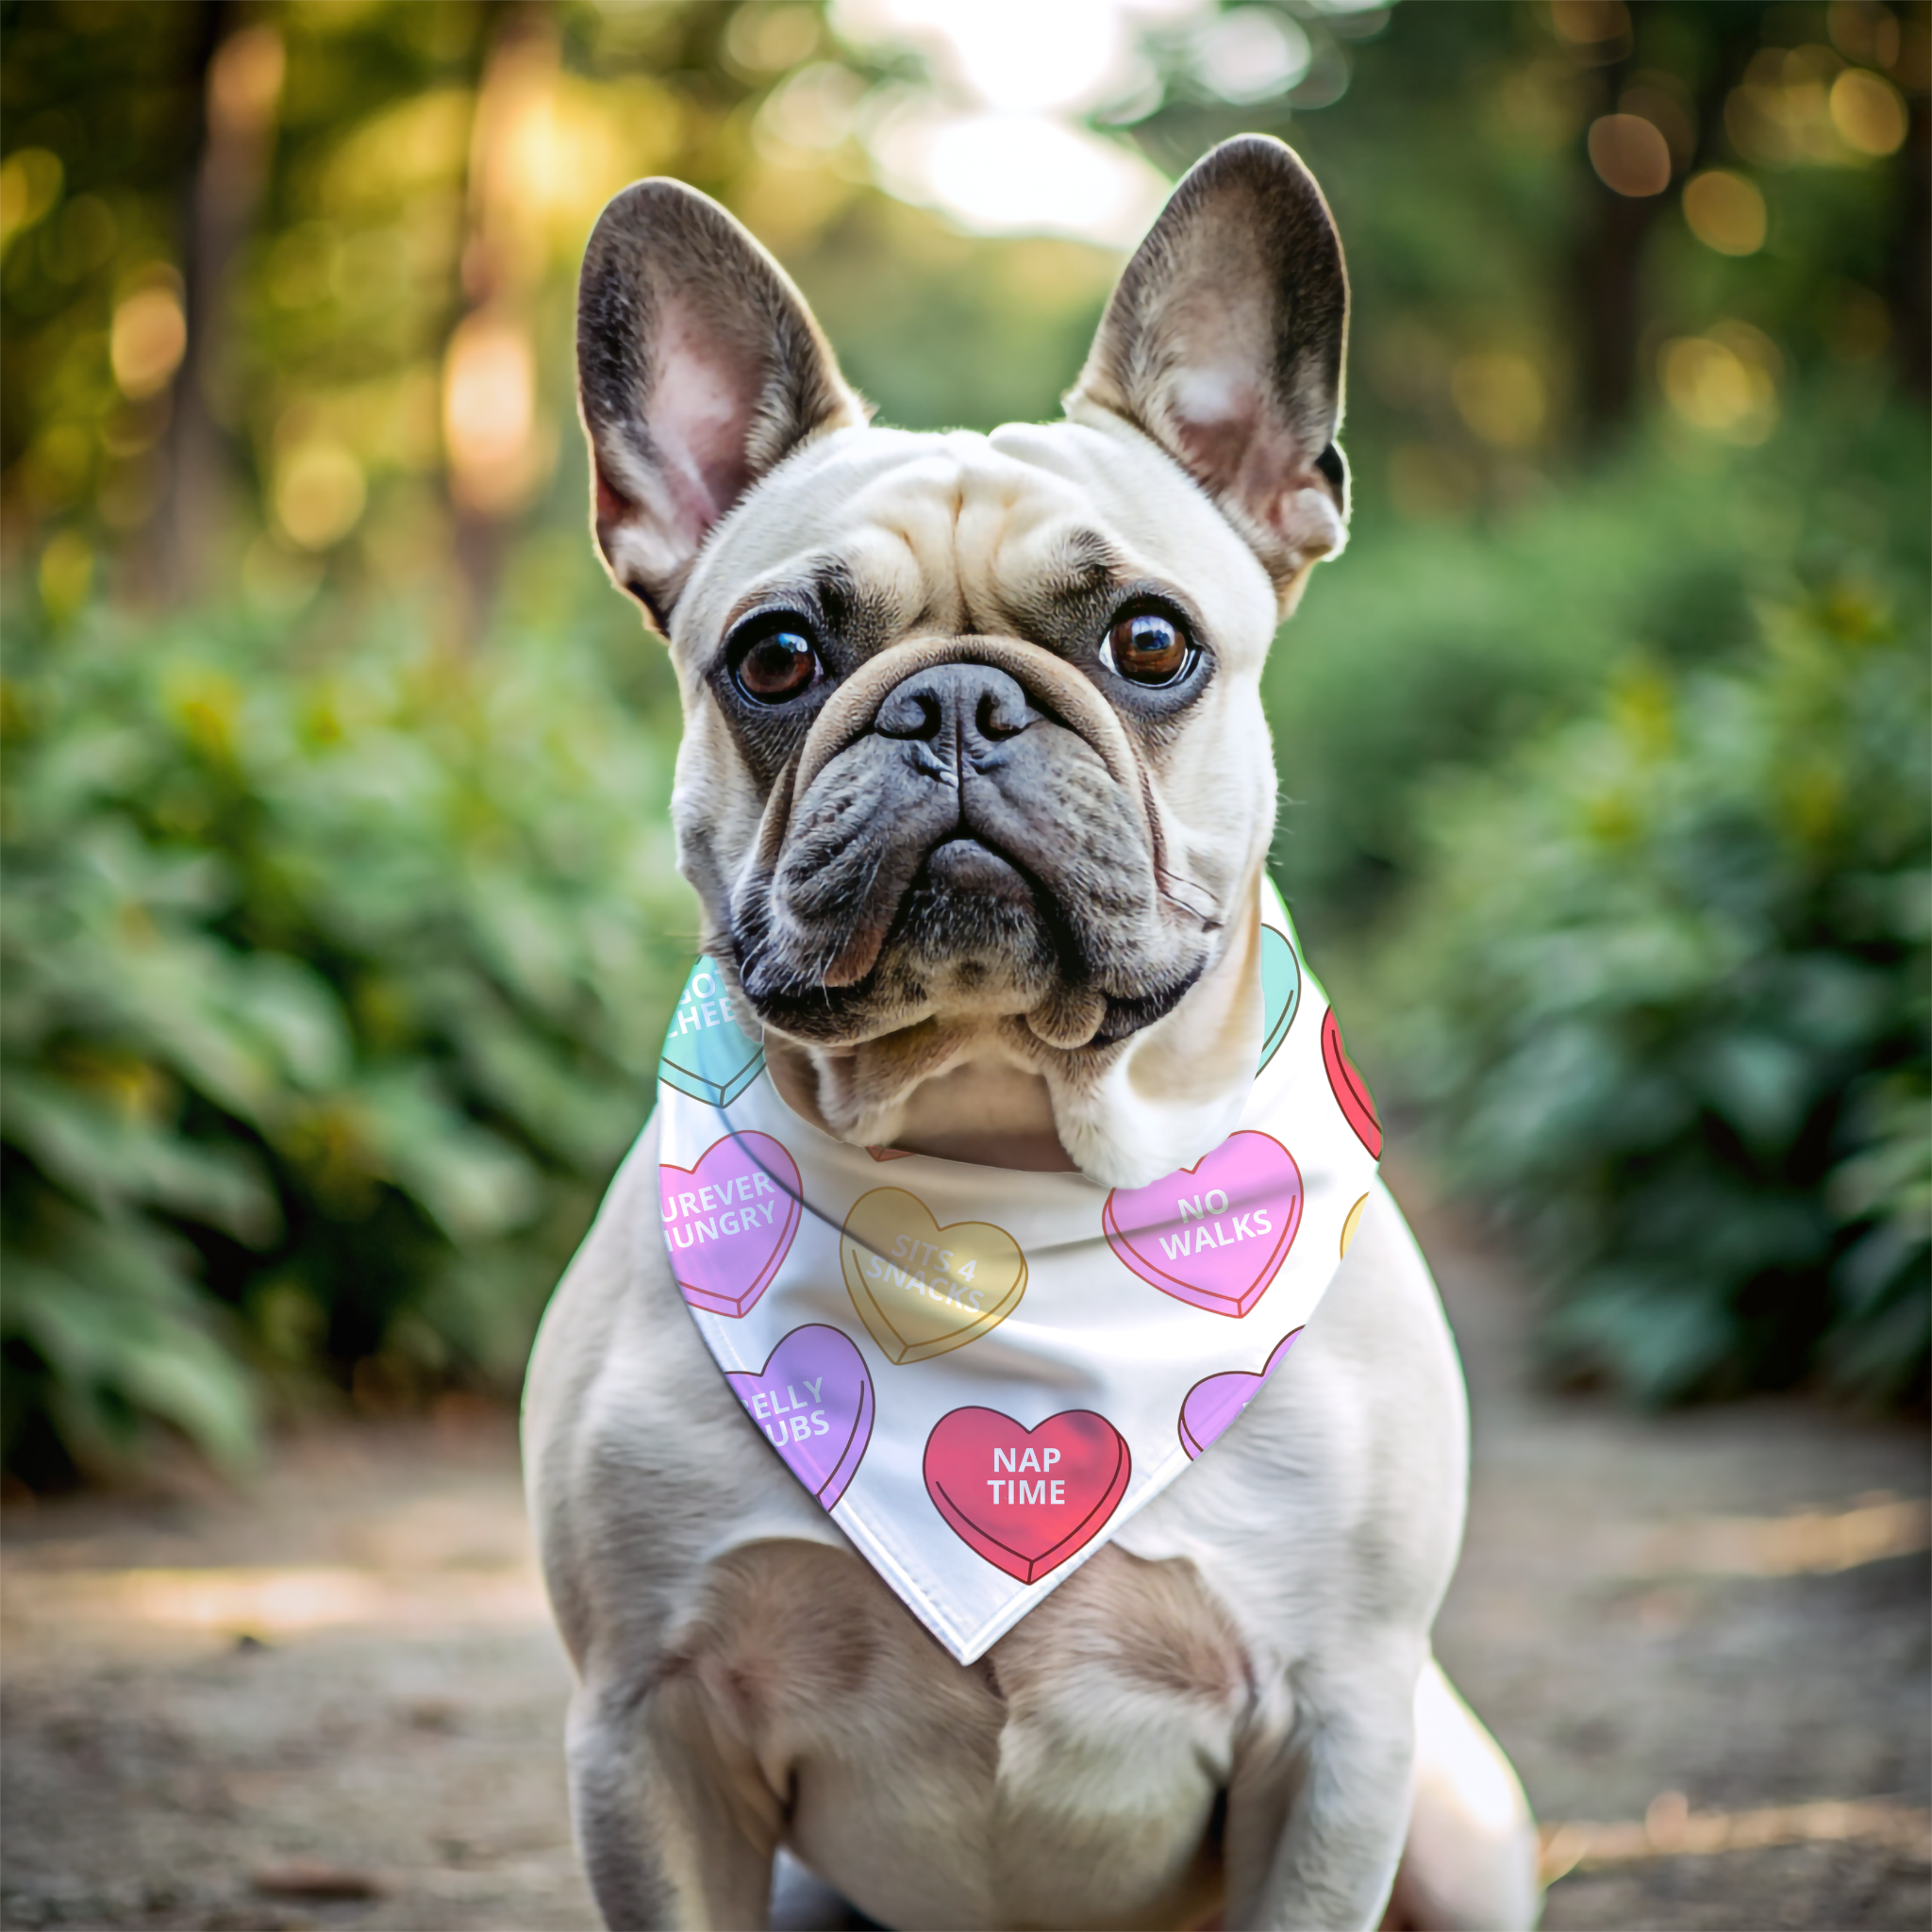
1025	1499
1351	1090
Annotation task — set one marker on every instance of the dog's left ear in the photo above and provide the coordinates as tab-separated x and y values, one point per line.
699	367
1224	341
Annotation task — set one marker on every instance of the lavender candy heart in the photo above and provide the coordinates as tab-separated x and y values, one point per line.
813	1400
1214	1401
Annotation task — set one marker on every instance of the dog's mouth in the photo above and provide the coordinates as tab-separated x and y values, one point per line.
967	923
979	926
967	868
977	930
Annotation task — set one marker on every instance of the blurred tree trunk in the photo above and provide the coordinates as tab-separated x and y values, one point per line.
488	368
153	564
1611	310
237	73
1611	319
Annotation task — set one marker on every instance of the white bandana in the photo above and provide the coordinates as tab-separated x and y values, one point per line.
982	1374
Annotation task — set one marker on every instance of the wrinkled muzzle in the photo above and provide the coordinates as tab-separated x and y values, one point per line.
967	830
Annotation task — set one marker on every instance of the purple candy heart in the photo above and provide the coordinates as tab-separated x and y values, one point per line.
1214	1401
729	1220
813	1400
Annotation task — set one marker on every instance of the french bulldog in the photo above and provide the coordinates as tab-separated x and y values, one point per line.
975	794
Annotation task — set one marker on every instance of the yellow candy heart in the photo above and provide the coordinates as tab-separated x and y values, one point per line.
922	1289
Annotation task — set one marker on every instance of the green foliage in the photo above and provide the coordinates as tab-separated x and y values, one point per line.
1667	998
335	964
1433	648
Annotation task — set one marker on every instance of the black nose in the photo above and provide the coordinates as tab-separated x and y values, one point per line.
971	704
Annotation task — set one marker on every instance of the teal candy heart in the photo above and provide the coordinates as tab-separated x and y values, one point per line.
1281	989
704	1055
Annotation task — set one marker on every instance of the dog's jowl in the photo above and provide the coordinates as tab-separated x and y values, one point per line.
999	1445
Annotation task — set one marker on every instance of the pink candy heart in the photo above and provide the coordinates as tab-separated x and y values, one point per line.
1213	1234
729	1222
813	1399
1214	1401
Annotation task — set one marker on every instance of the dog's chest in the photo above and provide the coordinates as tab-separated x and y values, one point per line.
1072	1778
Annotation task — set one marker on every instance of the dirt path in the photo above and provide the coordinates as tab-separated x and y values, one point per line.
217	1711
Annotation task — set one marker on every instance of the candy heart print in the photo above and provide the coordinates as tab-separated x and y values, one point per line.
1351	1090
1349	1226
1025	1499
1213	1234
1214	1401
989	1380
729	1222
922	1289
813	1400
1281	989
705	1053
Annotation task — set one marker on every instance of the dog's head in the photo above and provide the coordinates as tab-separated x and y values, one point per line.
975	768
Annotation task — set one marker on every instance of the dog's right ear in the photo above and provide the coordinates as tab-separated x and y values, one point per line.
699	367
1224	343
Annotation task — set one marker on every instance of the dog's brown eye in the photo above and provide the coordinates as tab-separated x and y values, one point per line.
1147	648
778	666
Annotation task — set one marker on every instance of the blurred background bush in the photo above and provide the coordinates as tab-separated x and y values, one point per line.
339	919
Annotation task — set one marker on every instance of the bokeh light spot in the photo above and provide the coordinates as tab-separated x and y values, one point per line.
1019	173
489	413
1724	381
1015	55
244	80
1590	23
318	493
147	342
1630	154
1725	211
1866	111
1863	30
768	40
1780	114
29	186
812	108
1251	53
